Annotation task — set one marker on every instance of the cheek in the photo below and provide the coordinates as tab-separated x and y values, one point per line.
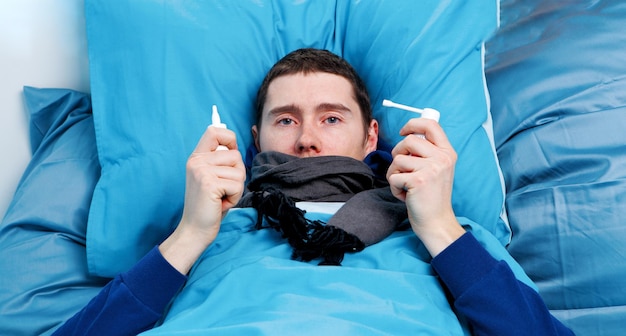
340	145
274	141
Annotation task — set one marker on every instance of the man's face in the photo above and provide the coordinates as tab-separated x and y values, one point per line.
313	115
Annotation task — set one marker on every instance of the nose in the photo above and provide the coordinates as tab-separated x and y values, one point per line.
308	142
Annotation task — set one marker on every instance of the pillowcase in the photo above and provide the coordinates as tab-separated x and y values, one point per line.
157	68
42	236
559	100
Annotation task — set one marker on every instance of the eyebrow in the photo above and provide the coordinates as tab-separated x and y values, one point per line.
283	109
321	107
334	107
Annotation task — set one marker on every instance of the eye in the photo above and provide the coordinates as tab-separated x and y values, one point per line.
285	121
332	120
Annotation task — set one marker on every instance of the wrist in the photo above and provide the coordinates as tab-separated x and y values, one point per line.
440	234
183	247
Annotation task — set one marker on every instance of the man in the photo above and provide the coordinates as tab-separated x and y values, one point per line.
313	104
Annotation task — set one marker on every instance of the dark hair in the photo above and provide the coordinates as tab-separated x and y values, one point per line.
308	60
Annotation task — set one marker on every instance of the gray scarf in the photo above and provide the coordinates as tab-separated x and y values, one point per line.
370	213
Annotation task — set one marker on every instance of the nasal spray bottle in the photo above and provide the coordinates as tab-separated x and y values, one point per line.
427	113
217	122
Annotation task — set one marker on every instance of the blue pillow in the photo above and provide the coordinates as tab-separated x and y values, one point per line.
558	81
157	68
42	236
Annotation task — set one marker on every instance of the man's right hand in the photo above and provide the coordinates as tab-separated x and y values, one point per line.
214	184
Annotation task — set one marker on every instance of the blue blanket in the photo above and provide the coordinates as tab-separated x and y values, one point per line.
247	284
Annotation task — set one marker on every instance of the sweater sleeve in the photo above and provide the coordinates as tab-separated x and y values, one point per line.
487	294
130	303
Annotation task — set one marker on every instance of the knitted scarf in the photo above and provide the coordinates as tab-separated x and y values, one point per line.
370	212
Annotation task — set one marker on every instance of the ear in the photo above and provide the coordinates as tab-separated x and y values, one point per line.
255	135
371	141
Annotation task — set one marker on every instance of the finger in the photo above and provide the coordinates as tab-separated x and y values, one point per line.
230	158
231	184
228	139
402	167
415	146
397	174
232	192
412	145
407	163
206	141
214	137
235	172
431	129
397	184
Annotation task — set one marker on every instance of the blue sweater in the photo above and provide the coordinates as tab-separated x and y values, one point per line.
485	292
130	303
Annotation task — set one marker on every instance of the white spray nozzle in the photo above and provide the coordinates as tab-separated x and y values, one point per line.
215	119
428	113
217	122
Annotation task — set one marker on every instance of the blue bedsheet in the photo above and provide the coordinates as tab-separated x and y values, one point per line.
247	284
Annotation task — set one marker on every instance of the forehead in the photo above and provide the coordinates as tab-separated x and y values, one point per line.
314	87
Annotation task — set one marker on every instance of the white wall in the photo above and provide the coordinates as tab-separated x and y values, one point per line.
42	44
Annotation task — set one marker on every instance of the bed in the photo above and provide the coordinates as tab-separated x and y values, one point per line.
539	135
